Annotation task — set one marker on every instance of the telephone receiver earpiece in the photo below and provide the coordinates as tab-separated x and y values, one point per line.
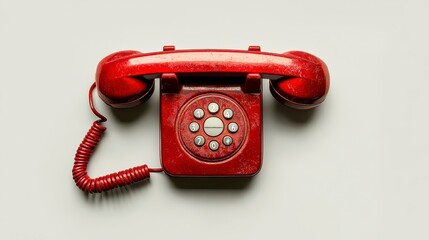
123	92
297	79
302	93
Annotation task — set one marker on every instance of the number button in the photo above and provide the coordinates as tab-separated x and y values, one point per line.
213	108
227	140
194	127
198	113
233	127
199	141
213	145
228	113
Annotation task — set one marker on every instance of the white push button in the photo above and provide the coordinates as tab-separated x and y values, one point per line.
232	127
198	113
227	140
194	127
213	108
213	126
199	141
228	113
213	145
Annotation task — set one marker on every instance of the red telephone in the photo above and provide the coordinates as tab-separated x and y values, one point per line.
210	107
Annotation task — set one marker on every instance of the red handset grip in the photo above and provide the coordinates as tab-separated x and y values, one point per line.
270	65
118	71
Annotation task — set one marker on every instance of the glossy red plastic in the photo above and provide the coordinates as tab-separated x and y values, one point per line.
194	78
298	79
245	159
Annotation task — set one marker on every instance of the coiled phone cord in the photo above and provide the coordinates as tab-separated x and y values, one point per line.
84	152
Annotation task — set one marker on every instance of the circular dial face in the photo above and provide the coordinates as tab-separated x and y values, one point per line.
212	126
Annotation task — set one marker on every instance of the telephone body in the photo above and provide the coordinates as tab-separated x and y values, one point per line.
210	107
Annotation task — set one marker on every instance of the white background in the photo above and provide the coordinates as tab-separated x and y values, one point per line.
355	168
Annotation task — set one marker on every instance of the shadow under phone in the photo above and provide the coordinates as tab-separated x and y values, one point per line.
211	182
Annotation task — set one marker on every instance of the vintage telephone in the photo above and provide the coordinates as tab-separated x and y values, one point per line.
210	107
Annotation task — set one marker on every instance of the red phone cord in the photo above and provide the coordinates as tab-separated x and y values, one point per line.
84	152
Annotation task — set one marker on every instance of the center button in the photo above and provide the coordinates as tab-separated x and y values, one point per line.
213	126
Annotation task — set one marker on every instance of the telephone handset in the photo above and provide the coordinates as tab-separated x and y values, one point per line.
210	107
